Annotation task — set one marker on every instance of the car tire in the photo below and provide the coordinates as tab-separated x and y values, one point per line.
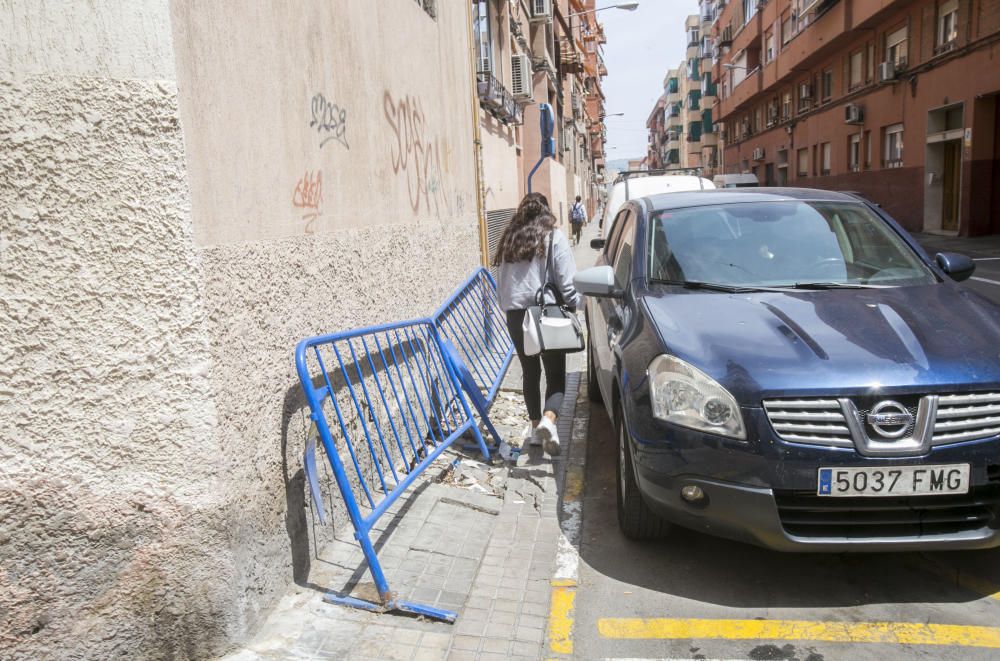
635	519
593	387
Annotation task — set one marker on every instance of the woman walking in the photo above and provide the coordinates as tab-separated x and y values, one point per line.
531	253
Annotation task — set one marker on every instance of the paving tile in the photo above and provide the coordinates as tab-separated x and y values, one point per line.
425	654
496	645
520	648
463	642
434	640
529	635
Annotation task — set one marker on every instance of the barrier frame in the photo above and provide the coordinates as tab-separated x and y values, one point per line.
316	396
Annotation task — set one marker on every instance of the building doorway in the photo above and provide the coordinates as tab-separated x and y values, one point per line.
951	178
943	169
769	174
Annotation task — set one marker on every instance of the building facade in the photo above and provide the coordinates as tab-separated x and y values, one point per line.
896	100
531	52
186	190
682	131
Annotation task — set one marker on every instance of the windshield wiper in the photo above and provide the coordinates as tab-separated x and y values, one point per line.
712	286
834	285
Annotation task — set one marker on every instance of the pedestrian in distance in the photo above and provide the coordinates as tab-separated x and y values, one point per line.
577	219
531	253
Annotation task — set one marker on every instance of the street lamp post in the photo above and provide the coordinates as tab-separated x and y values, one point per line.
627	6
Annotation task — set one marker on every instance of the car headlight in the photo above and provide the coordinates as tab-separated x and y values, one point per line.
686	396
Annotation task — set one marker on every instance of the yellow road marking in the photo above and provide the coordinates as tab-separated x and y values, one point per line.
561	617
574	483
903	633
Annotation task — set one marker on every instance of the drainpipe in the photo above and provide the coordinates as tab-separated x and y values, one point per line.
477	143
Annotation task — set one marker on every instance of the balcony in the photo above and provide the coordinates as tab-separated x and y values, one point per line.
496	100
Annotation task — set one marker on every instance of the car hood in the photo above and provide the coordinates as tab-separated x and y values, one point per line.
931	338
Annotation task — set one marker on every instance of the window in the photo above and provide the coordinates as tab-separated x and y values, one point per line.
815	160
868	150
827	89
825	156
758	124
623	260
855	70
803	162
614	233
786	105
895	47
870	62
749	10
769	46
805	95
947	25
893	153
788	28
483	36
854	152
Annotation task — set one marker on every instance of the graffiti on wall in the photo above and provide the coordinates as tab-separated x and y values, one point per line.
329	120
308	196
416	155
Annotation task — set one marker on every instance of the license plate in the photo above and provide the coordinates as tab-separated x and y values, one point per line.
894	481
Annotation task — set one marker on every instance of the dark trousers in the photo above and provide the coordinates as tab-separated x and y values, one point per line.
531	370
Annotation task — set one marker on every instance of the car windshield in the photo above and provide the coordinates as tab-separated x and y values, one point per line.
781	244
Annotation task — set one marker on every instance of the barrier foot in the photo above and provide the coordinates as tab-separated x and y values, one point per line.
403	606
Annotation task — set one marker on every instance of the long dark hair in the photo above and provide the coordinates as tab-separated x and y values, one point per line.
524	237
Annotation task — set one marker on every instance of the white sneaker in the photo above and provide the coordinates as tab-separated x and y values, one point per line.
530	435
546	431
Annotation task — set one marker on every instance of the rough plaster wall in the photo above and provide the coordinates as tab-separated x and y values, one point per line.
112	538
262	298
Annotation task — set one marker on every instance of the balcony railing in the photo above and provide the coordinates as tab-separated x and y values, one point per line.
495	98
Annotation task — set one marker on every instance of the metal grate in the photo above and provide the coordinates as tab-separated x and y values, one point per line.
966	417
804	514
814	421
496	222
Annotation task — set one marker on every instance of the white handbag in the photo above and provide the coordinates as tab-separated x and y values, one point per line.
551	327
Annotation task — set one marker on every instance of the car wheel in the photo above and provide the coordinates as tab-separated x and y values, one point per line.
635	519
593	388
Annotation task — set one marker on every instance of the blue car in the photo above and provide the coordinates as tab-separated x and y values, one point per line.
788	368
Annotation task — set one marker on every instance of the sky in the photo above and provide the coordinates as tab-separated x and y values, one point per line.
642	45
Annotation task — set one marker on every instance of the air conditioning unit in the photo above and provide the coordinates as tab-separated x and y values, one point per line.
853	114
541	10
886	71
520	78
758	154
805	91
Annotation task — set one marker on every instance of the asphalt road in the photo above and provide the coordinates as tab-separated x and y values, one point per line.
695	596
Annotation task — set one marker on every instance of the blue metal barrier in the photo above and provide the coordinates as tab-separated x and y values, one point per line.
398	404
474	336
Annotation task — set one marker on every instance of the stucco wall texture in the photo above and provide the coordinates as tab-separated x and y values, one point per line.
151	423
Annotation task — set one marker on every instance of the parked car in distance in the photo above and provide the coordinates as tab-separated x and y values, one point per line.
788	368
735	181
631	184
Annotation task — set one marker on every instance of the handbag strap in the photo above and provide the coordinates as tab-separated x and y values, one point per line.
547	284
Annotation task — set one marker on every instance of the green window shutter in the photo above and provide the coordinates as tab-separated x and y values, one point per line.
706	121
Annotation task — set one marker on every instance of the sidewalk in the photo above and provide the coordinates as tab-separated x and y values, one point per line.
478	539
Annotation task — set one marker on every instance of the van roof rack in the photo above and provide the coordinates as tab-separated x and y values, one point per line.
625	175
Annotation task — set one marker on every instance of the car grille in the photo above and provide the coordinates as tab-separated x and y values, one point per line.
966	417
815	421
804	514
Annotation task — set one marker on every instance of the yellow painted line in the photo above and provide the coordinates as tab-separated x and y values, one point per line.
561	618
902	633
573	488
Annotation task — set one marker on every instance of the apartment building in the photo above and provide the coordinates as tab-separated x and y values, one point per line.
533	52
682	132
896	100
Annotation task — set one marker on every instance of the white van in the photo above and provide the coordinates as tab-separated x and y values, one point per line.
736	181
629	185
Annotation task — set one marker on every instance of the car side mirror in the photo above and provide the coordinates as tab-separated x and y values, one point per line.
597	244
597	281
958	267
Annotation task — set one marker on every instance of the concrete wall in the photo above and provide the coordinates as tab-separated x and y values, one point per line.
186	190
